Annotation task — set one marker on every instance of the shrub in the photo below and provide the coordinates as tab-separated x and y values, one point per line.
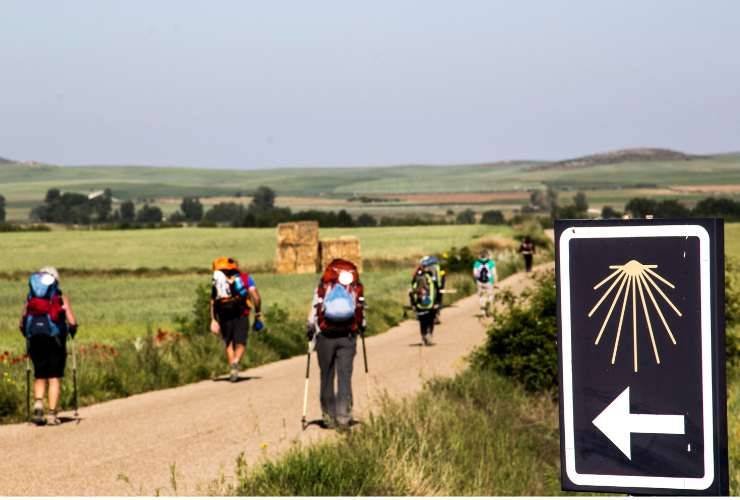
465	217
732	311
522	343
492	217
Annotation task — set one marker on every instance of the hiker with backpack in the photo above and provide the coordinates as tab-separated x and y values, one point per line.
46	322
527	250
233	293
432	266
423	298
485	275
336	318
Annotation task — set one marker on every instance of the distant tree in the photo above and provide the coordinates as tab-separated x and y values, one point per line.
608	212
671	209
2	208
450	212
492	217
344	219
176	217
537	200
103	206
52	195
580	203
128	211
225	212
192	209
717	207
148	214
263	199
465	217
366	220
640	207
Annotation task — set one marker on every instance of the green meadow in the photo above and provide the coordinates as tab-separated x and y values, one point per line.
195	248
118	288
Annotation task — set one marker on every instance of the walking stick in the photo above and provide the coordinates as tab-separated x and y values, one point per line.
364	351
364	356
305	388
74	375
28	383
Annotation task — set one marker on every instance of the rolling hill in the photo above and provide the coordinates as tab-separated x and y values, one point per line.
610	177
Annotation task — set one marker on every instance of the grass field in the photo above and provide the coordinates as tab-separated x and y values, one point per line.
113	307
195	248
118	308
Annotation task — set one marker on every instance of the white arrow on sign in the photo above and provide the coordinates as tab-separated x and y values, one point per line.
617	423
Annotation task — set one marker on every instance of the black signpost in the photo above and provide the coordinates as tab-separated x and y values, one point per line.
641	341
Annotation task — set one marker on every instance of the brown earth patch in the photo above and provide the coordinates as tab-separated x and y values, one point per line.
462	198
708	188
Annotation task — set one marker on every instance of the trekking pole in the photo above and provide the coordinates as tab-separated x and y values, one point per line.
364	351
28	383
74	375
364	356
305	388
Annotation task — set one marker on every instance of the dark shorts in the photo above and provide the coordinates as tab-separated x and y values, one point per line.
49	356
234	331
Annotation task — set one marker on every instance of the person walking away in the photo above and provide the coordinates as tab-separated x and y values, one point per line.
432	266
336	317
46	321
527	250
232	293
422	297
485	275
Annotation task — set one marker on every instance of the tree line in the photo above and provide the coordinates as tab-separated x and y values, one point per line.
77	208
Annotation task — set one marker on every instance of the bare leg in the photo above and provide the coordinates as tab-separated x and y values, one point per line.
39	388
54	390
238	353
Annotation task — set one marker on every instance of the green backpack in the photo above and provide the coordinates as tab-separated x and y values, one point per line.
423	291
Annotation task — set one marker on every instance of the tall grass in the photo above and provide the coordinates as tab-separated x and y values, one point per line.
477	434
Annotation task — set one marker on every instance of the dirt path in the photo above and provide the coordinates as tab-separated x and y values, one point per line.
129	446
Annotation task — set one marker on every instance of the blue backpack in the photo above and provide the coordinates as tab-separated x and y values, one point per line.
339	304
44	308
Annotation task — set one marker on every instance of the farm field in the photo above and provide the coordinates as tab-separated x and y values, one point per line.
329	188
114	306
195	248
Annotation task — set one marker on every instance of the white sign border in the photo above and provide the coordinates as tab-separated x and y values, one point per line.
651	231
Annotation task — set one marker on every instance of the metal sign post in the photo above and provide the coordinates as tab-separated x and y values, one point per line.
641	341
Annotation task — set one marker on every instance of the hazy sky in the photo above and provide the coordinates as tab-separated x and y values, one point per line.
276	83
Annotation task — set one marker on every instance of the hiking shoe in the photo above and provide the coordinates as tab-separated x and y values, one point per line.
38	417
53	418
427	339
329	421
38	413
234	374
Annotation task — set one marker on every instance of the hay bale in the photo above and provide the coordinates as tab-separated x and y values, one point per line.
298	247
298	233
345	247
285	260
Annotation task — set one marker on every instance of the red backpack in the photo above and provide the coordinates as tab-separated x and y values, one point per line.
44	307
339	288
